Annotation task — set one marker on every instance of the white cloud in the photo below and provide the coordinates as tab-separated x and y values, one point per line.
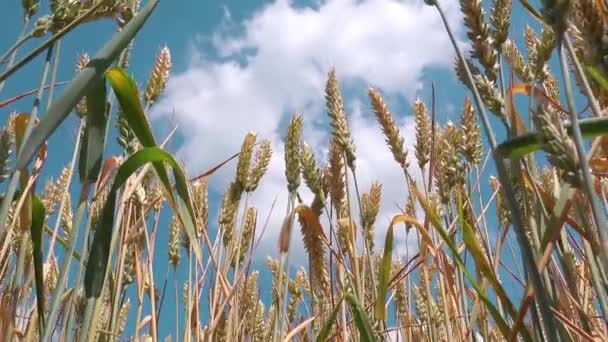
276	62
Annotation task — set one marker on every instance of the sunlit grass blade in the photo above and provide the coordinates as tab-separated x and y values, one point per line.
96	267
82	84
432	216
89	165
326	329
385	273
598	76
531	142
366	333
474	247
36	229
129	98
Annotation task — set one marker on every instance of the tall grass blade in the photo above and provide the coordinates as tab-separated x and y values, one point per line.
474	247
38	216
598	76
366	333
385	274
91	152
500	322
96	267
82	84
128	96
329	323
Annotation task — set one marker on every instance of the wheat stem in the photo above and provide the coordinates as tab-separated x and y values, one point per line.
577	136
65	266
20	40
527	254
54	74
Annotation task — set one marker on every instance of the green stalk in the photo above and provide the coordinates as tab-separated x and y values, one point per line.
22	36
548	319
54	74
359	289
15	284
284	264
577	137
118	288
65	266
50	42
85	333
12	187
7	201
62	203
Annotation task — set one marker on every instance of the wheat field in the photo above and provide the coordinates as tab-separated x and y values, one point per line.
547	213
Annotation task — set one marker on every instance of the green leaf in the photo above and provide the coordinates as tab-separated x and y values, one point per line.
598	76
385	273
128	96
474	247
326	329
36	229
531	142
91	152
366	333
100	248
82	84
436	222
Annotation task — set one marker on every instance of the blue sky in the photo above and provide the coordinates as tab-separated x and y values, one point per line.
249	65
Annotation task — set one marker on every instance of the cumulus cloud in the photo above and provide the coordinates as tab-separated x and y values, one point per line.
275	63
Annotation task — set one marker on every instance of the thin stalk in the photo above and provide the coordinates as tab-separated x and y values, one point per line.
14	49
54	74
62	202
284	264
12	187
429	297
355	263
176	304
577	136
140	300
187	315
21	258
49	43
487	237
85	250
234	316
88	330
119	267
593	265
65	266
151	280
368	249
20	264
527	255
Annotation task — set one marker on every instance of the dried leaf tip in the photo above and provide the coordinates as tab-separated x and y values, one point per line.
158	76
393	136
